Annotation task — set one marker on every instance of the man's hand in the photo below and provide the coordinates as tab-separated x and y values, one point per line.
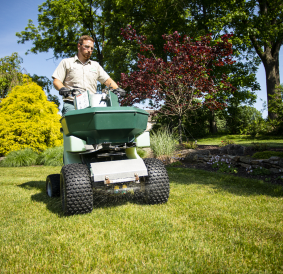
119	91
64	91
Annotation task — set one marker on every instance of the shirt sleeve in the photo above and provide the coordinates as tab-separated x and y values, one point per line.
60	71
102	75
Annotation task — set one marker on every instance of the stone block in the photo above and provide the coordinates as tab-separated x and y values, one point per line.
274	170
244	165
233	149
245	160
274	158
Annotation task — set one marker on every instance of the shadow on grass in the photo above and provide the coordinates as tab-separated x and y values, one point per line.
232	184
54	204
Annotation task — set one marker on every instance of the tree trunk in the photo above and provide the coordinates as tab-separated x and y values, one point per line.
271	65
212	123
180	129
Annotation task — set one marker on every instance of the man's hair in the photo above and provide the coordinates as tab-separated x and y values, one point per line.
85	37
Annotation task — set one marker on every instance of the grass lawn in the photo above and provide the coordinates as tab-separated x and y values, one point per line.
245	140
212	223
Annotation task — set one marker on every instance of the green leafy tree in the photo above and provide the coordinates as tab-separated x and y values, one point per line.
61	23
206	18
28	120
276	106
239	123
10	73
257	27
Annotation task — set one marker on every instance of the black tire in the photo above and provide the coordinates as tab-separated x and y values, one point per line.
157	186
53	185
76	190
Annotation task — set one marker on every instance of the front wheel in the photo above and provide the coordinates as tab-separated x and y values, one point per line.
157	186
76	190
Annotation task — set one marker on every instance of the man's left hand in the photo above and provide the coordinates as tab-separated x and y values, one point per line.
119	91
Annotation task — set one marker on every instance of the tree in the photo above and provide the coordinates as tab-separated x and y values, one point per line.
205	18
257	25
262	22
28	119
61	23
183	83
276	106
10	73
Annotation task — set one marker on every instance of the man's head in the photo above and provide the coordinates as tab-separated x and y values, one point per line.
85	47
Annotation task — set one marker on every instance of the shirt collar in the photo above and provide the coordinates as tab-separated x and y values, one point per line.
76	58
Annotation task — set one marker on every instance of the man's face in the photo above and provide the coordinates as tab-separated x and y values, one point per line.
86	48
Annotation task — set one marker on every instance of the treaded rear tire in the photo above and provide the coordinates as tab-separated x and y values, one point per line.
53	185
76	190
157	186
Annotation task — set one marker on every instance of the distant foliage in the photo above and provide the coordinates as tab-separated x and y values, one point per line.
28	119
10	73
24	157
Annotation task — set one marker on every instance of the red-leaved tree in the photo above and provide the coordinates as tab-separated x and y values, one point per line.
183	82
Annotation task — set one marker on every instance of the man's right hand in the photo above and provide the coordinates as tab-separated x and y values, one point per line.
64	91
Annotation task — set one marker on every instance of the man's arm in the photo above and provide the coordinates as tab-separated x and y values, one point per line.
57	84
110	83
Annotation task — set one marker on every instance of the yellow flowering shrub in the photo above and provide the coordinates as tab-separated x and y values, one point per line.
28	119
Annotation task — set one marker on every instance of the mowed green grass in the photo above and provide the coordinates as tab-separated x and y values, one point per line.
245	140
212	223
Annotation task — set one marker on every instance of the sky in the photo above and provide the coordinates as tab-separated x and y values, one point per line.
14	16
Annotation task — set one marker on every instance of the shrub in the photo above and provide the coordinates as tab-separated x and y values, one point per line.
51	157
226	142
260	146
163	143
28	120
191	145
24	157
267	154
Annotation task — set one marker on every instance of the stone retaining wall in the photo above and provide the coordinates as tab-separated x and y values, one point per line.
273	164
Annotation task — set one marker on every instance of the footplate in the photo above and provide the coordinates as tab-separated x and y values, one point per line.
111	172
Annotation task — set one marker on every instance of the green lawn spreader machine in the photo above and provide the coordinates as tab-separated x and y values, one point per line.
100	156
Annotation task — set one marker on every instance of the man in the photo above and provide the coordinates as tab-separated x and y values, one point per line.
81	72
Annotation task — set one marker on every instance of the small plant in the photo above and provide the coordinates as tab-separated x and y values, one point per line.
260	146
257	171
226	142
23	157
142	153
51	157
191	145
222	164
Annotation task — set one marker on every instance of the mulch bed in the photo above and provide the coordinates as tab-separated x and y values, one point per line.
214	150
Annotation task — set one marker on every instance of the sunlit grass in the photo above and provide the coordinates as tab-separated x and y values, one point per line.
212	223
243	140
